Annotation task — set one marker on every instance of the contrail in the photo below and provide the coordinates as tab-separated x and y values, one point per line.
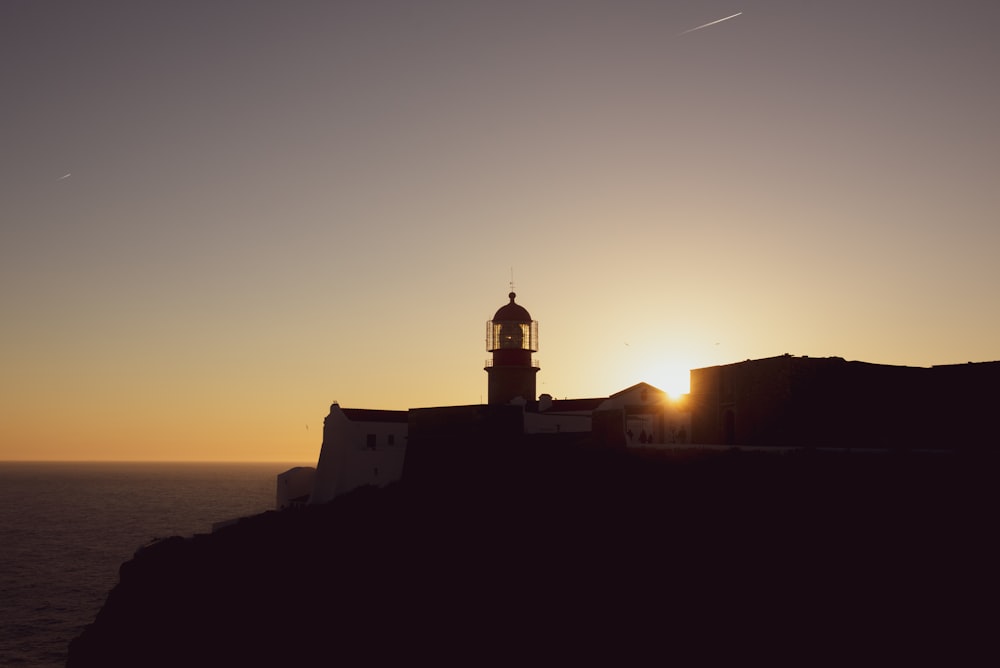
65	176
709	24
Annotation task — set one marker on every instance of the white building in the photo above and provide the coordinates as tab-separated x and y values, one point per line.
360	447
295	486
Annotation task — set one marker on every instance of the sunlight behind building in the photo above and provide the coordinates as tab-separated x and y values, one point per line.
673	377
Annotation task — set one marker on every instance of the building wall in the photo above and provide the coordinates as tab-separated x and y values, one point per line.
555	422
359	448
462	443
830	402
746	403
295	486
969	394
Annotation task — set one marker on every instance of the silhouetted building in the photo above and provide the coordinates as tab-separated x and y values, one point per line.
463	444
369	447
512	336
785	401
829	402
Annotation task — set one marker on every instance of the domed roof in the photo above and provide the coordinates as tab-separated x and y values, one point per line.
512	312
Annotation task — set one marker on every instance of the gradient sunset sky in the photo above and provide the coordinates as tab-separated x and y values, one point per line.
216	218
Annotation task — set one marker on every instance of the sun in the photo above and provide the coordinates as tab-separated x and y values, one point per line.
674	378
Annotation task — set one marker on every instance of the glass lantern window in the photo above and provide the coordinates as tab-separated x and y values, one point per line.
510	335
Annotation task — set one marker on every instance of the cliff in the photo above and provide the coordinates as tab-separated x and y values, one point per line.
602	557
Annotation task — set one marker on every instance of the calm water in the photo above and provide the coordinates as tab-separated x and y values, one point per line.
66	527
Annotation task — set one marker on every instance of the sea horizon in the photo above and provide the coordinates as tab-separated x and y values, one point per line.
149	461
68	525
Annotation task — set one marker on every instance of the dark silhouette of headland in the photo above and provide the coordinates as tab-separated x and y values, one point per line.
551	546
604	556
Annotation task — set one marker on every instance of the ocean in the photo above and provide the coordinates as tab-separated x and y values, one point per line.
65	528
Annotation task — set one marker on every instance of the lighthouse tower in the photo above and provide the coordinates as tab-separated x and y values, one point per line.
511	336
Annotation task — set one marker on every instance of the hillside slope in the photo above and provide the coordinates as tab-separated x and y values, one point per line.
603	555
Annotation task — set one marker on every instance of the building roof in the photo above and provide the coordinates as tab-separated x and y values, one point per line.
573	405
638	387
374	415
512	312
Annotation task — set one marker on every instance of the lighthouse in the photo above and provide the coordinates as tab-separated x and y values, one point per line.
511	337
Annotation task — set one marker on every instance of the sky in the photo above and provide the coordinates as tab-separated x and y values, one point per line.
217	218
